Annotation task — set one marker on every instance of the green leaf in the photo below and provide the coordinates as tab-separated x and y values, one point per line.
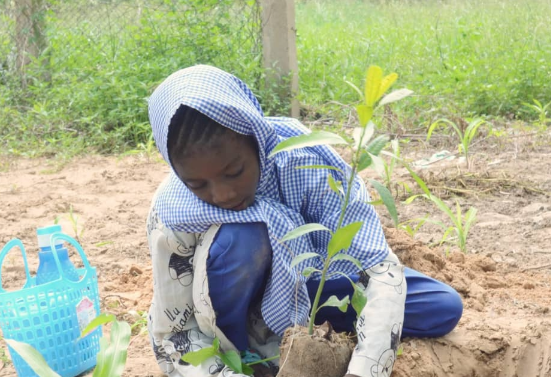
470	132
386	83
334	301
444	208
378	164
376	145
112	355
232	361
470	218
342	238
247	370
302	257
342	256
319	167
358	300
304	229
373	84
308	140
387	199
355	88
365	113
395	96
101	319
309	271
216	344
196	358
419	181
336	186
32	357
413	197
364	162
367	133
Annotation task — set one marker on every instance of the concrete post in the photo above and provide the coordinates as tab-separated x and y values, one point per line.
279	48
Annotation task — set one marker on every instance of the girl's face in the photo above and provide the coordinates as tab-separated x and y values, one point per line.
225	175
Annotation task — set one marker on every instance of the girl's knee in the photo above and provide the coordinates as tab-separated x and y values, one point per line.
449	308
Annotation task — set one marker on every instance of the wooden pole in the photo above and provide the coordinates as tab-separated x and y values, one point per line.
279	48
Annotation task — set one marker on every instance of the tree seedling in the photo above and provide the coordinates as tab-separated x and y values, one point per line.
365	153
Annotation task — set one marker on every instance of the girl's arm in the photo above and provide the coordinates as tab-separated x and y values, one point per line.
171	321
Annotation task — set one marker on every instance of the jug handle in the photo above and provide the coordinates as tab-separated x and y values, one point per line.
10	245
76	245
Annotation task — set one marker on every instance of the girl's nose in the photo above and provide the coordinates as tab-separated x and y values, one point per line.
224	196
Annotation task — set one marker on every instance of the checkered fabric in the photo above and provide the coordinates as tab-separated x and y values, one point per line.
286	197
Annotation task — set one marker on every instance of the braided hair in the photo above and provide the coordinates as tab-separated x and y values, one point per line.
190	129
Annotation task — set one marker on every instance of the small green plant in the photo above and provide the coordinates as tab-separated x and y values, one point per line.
111	358
147	149
140	321
412	226
389	166
465	136
230	358
461	222
541	111
365	153
73	219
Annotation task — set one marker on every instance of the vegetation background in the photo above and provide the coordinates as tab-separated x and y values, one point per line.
86	92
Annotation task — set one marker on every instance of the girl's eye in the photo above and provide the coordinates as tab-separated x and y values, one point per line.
236	174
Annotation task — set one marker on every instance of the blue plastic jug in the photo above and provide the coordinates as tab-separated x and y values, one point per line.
47	268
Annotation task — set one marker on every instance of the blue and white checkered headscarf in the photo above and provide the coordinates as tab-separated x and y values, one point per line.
286	197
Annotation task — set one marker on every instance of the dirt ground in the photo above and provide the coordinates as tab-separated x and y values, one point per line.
505	278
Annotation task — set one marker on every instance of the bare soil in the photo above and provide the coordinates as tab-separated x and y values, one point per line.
505	277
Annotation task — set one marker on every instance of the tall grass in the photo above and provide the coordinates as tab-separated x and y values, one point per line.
482	57
105	59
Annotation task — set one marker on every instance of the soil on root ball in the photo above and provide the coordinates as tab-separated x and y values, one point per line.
323	354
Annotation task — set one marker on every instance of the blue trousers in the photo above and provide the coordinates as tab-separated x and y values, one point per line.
239	264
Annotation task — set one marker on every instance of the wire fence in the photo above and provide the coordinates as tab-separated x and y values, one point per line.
29	28
90	64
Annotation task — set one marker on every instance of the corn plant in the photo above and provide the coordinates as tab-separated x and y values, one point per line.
412	226
465	136
111	358
365	153
461	222
541	111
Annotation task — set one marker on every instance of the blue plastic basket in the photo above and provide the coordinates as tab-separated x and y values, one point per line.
45	316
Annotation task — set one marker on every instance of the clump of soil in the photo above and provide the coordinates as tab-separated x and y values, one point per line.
324	354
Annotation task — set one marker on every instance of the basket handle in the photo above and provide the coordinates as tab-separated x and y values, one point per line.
10	245
76	245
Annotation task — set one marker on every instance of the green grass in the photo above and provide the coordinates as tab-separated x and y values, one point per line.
105	59
462	58
483	57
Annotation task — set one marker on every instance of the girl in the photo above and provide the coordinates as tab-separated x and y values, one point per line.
213	230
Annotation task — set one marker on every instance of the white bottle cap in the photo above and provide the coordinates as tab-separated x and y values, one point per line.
44	235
